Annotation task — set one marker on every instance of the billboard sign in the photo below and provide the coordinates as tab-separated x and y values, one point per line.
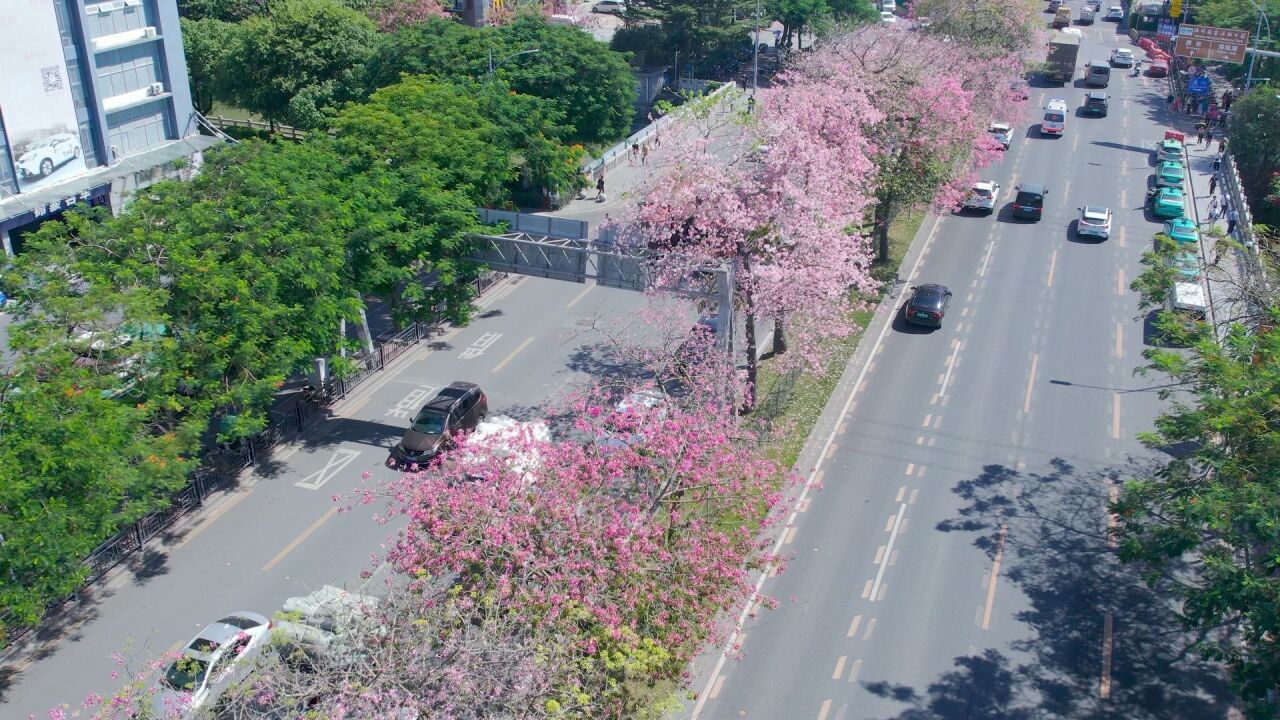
35	97
1211	43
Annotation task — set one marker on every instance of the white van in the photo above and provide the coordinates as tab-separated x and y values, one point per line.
1187	297
1097	73
1055	118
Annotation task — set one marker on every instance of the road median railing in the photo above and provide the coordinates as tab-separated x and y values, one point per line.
220	466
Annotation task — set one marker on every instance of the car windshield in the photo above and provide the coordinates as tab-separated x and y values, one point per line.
186	673
429	422
982	192
1054	117
243	623
1175	170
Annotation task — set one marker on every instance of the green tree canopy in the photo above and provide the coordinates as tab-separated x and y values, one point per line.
589	85
77	466
208	45
301	61
1254	133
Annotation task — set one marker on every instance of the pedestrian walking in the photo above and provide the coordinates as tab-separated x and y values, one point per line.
600	189
1168	102
1217	162
1222	145
1213	183
1199	135
1233	217
657	140
644	154
1214	207
635	152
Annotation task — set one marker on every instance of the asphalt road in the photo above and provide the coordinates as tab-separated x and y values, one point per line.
952	561
279	533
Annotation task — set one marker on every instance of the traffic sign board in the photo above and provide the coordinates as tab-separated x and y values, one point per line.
1211	43
1198	85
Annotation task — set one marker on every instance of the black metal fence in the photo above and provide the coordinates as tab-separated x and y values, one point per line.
222	465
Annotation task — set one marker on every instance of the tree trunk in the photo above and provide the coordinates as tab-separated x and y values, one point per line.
882	232
749	399
779	337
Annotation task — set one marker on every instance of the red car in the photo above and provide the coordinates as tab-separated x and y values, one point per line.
1159	68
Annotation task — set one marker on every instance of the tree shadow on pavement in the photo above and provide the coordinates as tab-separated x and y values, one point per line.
1058	553
606	364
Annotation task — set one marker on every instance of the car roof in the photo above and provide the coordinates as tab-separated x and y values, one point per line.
1034	188
450	395
984	185
216	635
1000	126
1096	94
1123	51
931	289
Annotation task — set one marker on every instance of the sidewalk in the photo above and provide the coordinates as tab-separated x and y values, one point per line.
622	181
1223	296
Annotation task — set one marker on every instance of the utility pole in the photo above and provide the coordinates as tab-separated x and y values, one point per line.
1257	33
755	61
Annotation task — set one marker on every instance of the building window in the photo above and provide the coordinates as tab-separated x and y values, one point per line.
127	69
136	129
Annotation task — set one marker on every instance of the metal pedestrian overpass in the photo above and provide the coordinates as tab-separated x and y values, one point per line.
546	246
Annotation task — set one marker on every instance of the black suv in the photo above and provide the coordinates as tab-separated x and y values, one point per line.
457	408
1029	203
1095	103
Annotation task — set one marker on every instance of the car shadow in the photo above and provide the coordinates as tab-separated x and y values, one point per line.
1006	216
1152	336
901	325
1075	237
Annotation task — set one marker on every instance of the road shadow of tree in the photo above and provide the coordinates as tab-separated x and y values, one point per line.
1057	552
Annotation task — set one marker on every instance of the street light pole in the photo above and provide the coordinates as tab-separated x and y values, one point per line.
755	61
1253	58
494	66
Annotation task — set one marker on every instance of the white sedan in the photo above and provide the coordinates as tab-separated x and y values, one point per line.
1122	57
1095	221
1115	13
203	668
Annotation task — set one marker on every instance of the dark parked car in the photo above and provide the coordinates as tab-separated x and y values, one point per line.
1029	203
1095	103
457	408
927	305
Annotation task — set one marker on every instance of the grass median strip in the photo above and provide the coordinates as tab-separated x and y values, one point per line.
791	401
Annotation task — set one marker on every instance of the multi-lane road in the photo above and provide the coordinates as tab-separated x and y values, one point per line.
279	533
950	559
